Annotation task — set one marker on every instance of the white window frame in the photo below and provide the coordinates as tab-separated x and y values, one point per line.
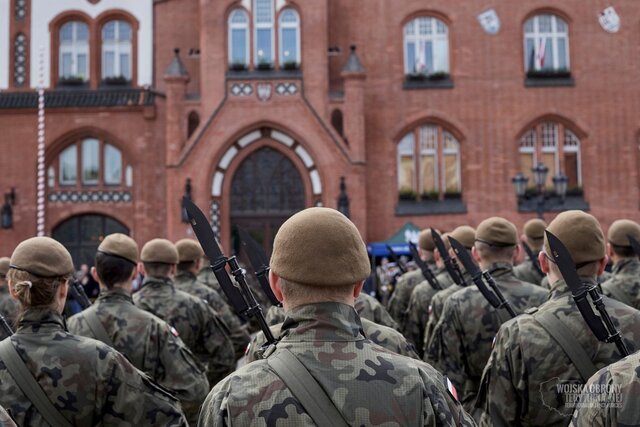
239	26
117	47
289	25
537	36
450	151
427	149
400	151
574	148
416	38
75	48
105	177
72	148
263	25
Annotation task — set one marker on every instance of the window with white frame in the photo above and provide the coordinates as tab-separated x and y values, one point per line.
116	50
238	39
74	51
289	38
546	44
426	46
263	21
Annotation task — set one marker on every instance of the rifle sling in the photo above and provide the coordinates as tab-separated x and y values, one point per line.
568	342
305	389
96	326
29	386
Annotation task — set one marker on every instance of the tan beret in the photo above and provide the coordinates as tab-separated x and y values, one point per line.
465	235
4	266
622	228
580	233
159	250
42	257
497	231
534	229
320	246
121	246
189	250
425	240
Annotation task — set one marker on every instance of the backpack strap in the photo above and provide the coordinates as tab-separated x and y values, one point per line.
568	342
96	326
305	389
29	386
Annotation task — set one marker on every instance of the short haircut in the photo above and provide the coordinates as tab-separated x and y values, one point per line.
297	294
491	253
113	270
157	269
185	266
623	251
587	270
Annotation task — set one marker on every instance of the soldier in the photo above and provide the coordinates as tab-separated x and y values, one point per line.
198	325
530	379
148	342
5	419
468	324
624	285
8	306
318	267
189	256
533	237
74	380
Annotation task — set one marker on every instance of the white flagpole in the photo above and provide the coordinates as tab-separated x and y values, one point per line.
40	197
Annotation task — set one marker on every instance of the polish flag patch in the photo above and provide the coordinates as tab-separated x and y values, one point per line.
174	331
451	388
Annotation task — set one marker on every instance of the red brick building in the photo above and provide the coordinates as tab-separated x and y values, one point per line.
266	106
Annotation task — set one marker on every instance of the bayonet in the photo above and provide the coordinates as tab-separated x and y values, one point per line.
396	259
424	268
78	293
450	264
533	258
260	264
635	245
5	326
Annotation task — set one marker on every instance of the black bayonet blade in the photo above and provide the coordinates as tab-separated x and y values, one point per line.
635	245
256	257
474	271
426	272
442	249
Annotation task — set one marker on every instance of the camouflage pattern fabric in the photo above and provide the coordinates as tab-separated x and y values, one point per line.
198	325
370	308
402	293
9	308
468	325
206	276
150	344
529	380
5	419
601	279
87	381
610	397
430	355
625	278
417	315
187	282
275	315
526	272
368	384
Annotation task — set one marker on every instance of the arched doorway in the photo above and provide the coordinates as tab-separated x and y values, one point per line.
266	189
82	234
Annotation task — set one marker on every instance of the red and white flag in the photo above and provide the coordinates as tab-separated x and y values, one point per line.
542	44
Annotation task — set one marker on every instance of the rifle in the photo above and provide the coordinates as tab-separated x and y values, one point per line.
534	259
602	326
495	298
260	264
78	293
635	245
240	295
424	268
450	264
5	326
394	258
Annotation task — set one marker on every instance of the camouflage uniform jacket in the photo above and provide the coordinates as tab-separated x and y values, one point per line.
526	272
5	419
368	384
9	308
435	312
149	343
468	325
522	382
601	279
402	293
417	314
198	325
625	280
187	282
87	381
617	402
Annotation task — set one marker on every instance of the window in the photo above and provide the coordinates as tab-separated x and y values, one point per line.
546	44
557	147
239	39
429	163
96	163
116	50
74	51
426	46
289	38
264	34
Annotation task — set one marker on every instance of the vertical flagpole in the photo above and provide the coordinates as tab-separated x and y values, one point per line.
40	206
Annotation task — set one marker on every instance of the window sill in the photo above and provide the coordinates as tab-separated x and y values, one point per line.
554	204
415	84
430	207
549	81
263	74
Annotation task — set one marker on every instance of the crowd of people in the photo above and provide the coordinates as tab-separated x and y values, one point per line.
161	345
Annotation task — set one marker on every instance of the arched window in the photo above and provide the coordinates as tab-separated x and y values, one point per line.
263	21
429	163
289	39
238	39
546	44
557	147
74	51
90	162
116	50
426	46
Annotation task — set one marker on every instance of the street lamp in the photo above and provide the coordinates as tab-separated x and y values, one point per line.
6	213
560	185
540	172
520	184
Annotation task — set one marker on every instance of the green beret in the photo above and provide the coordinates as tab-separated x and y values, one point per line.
320	246
42	257
496	231
4	266
159	250
425	240
534	229
189	250
580	233
121	246
619	231
465	235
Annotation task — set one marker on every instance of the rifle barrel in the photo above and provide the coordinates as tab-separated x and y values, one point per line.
5	326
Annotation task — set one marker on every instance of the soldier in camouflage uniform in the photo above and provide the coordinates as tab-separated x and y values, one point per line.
9	307
624	284
189	255
534	238
468	324
198	325
318	267
148	342
5	419
525	378
86	381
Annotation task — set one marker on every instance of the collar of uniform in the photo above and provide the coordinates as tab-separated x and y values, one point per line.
325	321
560	287
114	294
627	266
157	281
184	276
499	269
36	320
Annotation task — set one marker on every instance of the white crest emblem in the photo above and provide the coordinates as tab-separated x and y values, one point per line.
490	21
264	91
609	20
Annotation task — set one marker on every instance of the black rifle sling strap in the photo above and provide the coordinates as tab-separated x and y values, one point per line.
30	386
96	326
568	342
305	389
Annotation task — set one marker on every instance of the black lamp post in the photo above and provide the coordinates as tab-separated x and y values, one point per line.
540	172
187	194
6	213
343	199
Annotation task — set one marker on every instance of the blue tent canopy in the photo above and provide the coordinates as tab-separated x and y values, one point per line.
380	249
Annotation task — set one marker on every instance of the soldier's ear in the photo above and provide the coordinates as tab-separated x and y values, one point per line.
544	262
274	283
94	274
357	289
609	250
603	263
475	254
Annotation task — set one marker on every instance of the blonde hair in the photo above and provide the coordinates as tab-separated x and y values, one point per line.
34	291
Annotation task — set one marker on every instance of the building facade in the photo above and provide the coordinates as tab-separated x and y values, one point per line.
257	108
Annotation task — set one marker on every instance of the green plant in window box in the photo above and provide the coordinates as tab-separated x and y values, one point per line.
549	73
290	65
453	195
238	66
416	77
116	81
575	191
439	75
72	80
429	195
264	65
407	194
